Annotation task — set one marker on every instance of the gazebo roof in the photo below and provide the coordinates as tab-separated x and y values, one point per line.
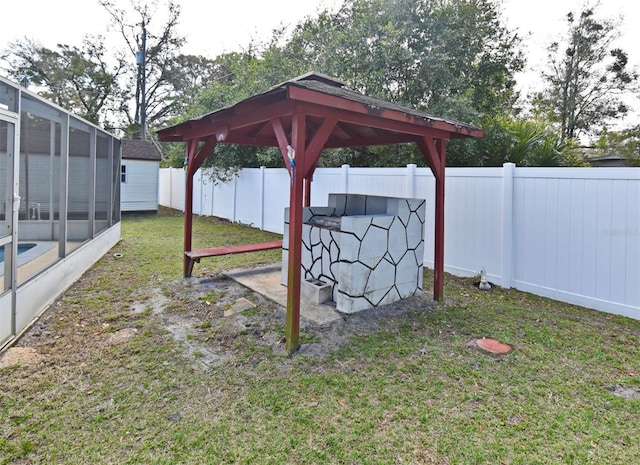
361	119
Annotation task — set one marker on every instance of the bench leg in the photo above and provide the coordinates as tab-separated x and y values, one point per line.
188	269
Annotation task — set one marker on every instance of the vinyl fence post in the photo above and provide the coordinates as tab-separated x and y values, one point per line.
171	189
202	194
235	188
345	179
411	181
213	193
170	186
507	224
171	175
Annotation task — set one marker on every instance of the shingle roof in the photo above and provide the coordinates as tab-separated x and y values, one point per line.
361	119
133	149
372	102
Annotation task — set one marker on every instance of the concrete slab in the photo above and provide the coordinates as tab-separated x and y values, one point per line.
266	281
240	305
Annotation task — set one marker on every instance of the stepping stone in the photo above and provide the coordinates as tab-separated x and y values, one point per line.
493	346
241	305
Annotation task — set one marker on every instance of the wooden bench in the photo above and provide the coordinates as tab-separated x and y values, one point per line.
194	256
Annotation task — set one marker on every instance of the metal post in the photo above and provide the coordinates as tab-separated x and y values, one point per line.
141	58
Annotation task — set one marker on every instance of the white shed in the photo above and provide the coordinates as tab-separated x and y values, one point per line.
139	175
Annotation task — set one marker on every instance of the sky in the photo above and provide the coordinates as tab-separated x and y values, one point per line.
214	27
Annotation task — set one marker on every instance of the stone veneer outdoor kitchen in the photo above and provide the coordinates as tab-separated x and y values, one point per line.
368	249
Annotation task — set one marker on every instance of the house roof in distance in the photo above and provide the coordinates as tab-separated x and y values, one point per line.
135	149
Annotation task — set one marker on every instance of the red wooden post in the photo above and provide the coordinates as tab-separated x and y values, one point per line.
194	161
188	205
292	328
438	266
434	155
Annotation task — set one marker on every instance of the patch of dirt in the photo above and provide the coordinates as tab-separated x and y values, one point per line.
19	356
192	311
121	335
208	298
630	393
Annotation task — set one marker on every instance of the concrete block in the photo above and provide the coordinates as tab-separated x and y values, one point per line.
315	291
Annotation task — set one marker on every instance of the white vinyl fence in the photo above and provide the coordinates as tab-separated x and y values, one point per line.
572	234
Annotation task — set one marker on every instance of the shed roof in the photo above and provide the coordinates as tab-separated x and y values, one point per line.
135	149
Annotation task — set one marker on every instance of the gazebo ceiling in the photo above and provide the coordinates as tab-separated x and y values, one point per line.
360	119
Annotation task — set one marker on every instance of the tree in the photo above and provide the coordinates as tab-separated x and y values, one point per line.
161	48
533	143
625	143
81	79
452	58
587	77
105	86
232	77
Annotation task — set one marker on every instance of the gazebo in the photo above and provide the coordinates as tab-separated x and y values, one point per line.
302	117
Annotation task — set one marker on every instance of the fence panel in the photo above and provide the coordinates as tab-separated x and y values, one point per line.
572	234
205	198
276	199
389	182
164	190
199	192
473	222
328	181
224	195
576	236
178	182
249	197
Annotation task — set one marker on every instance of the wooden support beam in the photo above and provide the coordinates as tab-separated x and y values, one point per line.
312	154
292	328
202	155
434	155
192	146
195	158
283	141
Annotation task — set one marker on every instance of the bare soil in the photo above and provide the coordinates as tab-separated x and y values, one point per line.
192	311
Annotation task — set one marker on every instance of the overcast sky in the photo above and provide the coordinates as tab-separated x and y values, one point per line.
213	27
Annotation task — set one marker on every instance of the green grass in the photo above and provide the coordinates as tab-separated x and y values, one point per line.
408	392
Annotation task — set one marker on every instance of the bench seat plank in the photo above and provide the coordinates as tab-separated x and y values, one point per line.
196	254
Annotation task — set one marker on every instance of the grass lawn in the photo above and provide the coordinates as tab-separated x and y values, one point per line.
119	373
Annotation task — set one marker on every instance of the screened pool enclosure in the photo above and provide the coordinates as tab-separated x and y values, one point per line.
60	180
